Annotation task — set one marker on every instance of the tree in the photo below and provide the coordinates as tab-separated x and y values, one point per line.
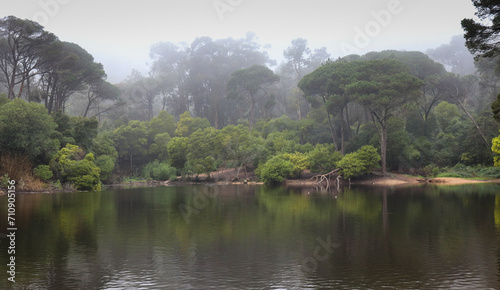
171	65
26	130
495	107
297	55
385	88
187	125
329	82
240	146
67	70
100	91
482	36
177	152
458	90
162	123
22	44
455	56
204	147
131	143
250	83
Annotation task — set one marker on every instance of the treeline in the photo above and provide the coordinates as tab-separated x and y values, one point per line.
215	103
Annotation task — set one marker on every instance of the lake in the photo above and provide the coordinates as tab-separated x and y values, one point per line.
256	237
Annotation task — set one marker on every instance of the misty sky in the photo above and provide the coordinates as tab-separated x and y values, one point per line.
119	33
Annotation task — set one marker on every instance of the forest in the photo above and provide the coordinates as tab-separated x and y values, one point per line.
223	103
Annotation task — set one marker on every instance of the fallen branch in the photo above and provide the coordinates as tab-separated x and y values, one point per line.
321	177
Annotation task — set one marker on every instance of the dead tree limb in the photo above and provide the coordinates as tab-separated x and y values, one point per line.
326	177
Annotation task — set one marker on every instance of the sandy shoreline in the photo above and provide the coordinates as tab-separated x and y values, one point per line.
393	179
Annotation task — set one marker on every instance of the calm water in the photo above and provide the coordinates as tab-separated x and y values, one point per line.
254	237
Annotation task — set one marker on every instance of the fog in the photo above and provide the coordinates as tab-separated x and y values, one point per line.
119	34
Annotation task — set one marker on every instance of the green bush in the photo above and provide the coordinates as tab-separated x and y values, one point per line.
461	170
431	170
84	174
275	170
69	166
43	172
360	162
323	158
4	181
159	171
299	160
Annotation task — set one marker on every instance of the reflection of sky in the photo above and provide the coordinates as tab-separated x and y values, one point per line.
119	33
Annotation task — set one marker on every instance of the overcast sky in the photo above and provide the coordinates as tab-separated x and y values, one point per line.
119	33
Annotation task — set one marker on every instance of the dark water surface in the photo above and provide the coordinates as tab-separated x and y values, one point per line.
255	237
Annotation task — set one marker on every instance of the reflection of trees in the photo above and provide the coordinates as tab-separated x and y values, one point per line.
434	234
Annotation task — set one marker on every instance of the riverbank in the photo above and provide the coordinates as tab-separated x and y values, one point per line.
229	176
394	179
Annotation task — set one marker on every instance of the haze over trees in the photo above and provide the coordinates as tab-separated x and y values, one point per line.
223	103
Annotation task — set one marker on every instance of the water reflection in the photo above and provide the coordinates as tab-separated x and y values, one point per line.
259	237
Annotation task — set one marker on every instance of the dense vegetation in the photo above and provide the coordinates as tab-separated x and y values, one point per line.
216	103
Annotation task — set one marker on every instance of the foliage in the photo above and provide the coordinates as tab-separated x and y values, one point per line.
72	165
241	146
299	160
4	181
187	125
385	88
282	142
275	170
323	158
204	147
25	129
447	115
131	143
162	123
495	108
360	162
482	36
159	171
106	164
463	171
159	149
431	170
43	172
496	149
177	152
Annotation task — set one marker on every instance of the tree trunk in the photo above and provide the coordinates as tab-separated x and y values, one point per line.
383	145
332	128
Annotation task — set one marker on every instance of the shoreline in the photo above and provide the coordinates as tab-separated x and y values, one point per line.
394	179
376	179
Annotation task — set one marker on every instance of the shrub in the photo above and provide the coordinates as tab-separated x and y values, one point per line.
275	170
324	158
43	172
299	160
84	174
360	162
159	171
69	165
4	181
430	170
